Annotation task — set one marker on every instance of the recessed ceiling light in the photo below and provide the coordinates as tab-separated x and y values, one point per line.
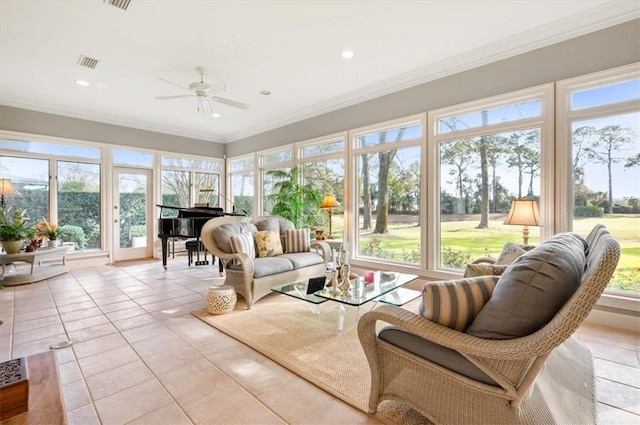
215	115
348	54
82	83
265	92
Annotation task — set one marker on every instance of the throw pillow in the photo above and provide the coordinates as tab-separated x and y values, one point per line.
455	303
510	251
268	242
474	270
297	240
243	243
533	289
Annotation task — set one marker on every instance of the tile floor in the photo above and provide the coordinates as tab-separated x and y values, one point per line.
139	357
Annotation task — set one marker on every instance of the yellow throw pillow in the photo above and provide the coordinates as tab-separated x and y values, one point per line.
268	243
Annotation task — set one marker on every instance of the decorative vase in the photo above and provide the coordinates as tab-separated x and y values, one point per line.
346	284
12	247
54	243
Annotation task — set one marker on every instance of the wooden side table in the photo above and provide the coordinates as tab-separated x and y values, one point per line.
36	271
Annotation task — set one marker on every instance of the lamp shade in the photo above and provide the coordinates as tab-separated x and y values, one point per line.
524	212
6	187
329	201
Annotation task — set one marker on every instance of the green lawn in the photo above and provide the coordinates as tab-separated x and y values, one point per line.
464	241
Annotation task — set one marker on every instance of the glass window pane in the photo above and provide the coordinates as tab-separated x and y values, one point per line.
606	95
207	189
276	157
50	148
321	149
169	161
389	204
30	177
476	119
400	134
242	192
241	164
132	157
176	192
479	178
328	178
268	188
132	192
606	187
79	204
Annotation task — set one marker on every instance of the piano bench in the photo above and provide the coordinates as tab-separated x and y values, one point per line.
194	245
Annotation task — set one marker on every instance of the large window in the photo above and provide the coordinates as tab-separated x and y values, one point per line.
387	205
279	161
600	134
489	154
187	181
241	184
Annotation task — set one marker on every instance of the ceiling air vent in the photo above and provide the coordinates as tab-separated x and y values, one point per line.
120	4
87	62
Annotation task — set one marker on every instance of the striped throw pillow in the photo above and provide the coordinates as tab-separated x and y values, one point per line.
455	303
297	240
243	243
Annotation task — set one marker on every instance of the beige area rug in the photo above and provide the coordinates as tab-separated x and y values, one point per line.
288	332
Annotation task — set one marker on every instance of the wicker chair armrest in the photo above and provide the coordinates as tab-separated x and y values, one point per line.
324	248
243	260
511	349
488	260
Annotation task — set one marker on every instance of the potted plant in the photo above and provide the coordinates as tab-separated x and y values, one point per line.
292	200
51	231
14	229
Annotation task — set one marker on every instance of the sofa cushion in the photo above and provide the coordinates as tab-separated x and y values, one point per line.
303	259
455	303
483	269
533	289
297	240
274	223
435	353
510	251
271	265
268	243
222	234
243	243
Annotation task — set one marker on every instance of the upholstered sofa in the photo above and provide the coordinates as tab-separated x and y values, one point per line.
497	349
264	251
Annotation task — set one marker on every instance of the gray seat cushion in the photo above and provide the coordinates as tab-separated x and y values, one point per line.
533	289
303	259
222	234
271	265
435	353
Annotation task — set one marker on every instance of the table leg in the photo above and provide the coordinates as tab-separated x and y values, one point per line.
341	313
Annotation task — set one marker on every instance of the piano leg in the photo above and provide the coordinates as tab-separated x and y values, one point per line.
165	248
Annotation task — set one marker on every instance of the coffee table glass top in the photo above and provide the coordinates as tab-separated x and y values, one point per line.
298	290
362	292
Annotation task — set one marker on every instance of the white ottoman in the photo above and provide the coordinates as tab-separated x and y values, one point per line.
220	299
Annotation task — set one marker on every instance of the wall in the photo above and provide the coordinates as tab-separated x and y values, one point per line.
26	121
615	46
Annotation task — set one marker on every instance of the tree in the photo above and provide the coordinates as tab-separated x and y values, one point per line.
581	152
484	177
611	140
366	193
385	159
633	161
459	156
292	200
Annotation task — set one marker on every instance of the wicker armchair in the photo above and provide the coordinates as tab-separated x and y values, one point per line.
534	379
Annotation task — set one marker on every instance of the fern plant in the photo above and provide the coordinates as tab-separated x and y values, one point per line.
294	201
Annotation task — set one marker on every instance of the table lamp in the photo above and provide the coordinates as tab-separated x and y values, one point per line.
6	188
329	203
524	212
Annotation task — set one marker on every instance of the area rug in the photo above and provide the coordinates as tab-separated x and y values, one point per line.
288	332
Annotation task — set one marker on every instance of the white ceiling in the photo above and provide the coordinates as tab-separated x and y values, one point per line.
291	48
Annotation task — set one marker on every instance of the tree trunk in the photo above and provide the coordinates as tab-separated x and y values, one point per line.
610	209
366	194
484	171
382	215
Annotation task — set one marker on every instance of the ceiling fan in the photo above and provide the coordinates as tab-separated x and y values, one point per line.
204	93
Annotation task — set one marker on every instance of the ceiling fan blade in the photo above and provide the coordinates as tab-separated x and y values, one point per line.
217	88
229	102
173	84
174	97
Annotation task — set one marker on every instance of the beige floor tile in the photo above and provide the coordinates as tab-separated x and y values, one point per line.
38	346
83	313
69	308
618	395
86	323
98	345
143	332
126	313
134	322
35	314
118	379
92	332
83	416
161	305
608	415
69	372
75	395
150	299
74	300
132	404
169	414
171	359
107	360
65	355
190	381
337	412
111	300
35	324
123	305
617	372
610	336
36	334
611	353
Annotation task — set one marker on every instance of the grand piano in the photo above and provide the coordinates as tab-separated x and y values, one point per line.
187	224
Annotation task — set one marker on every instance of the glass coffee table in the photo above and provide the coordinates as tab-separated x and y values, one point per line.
386	288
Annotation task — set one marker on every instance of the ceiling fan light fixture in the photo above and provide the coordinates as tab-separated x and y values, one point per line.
203	105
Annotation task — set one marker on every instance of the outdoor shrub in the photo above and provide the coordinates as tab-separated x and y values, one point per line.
588	211
412	256
75	234
373	248
456	259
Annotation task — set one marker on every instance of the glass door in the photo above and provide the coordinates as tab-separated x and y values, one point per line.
133	227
